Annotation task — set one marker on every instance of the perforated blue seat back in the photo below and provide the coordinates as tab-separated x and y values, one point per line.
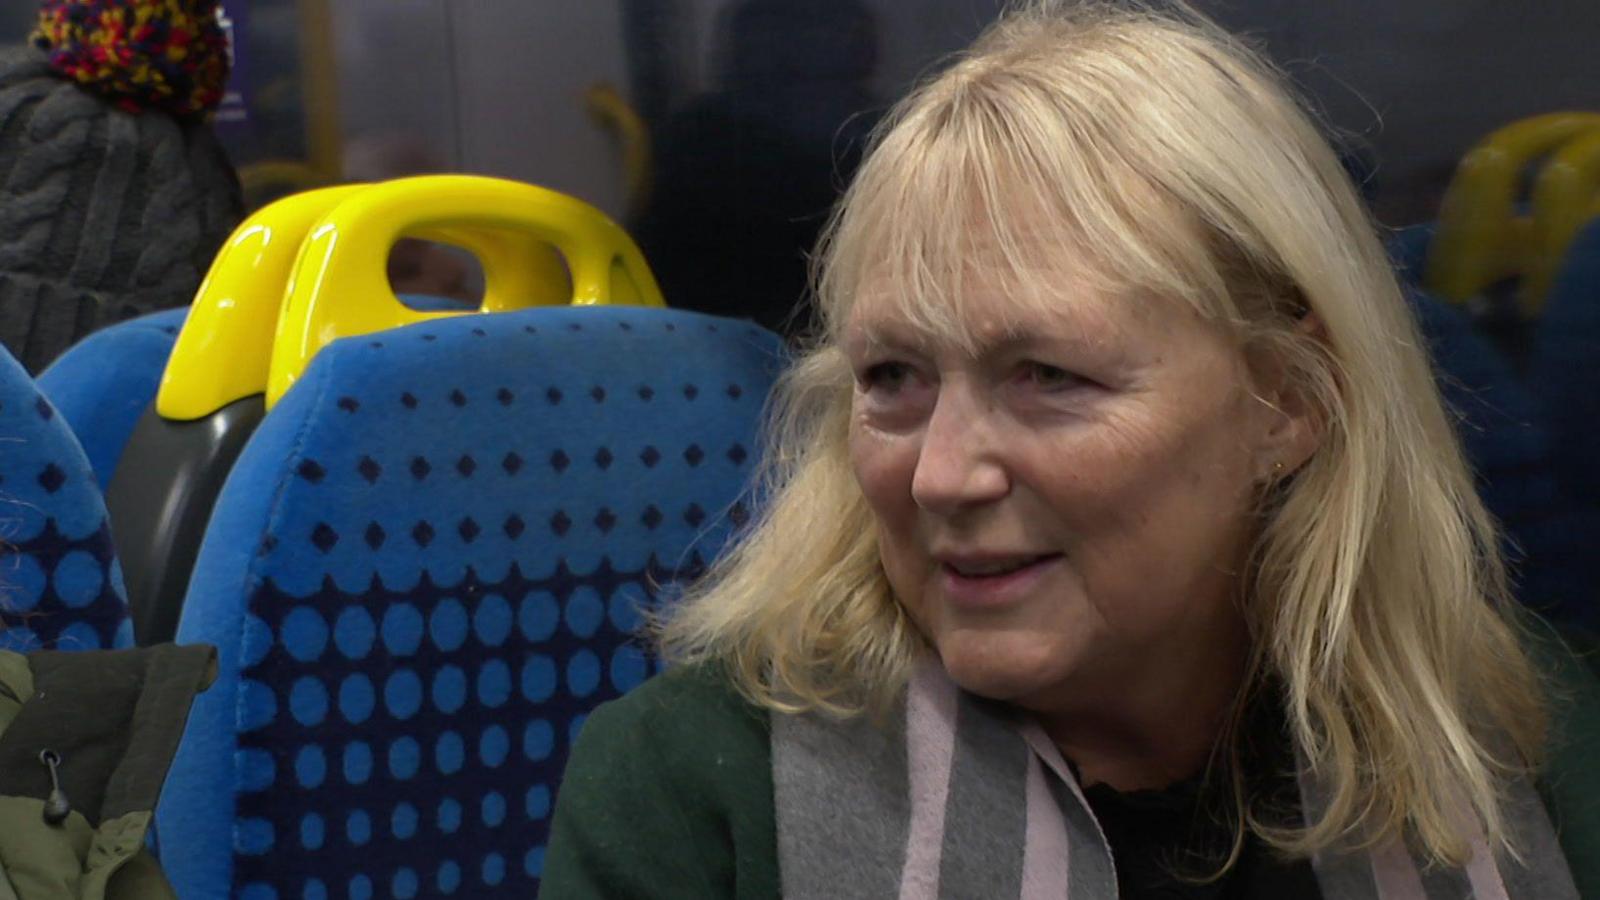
60	586
105	382
425	568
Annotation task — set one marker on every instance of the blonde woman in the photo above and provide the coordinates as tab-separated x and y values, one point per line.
1119	545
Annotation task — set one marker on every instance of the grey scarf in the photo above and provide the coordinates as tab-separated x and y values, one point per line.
947	799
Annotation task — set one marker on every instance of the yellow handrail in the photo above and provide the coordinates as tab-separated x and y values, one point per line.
610	109
1565	196
1481	240
528	239
225	348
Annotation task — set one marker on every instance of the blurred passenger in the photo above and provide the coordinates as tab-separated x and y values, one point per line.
114	193
416	267
745	175
1119	541
85	742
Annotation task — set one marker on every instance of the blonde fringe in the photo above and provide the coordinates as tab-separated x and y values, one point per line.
1173	159
840	644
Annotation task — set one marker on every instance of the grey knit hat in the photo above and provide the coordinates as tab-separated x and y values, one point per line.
104	214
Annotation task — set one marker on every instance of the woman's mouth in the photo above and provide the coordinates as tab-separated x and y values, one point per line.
990	582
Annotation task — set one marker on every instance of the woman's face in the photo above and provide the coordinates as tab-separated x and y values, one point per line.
1067	509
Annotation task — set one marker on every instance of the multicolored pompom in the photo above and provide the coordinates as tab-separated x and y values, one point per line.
169	55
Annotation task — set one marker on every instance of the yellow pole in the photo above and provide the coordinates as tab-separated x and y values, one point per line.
320	89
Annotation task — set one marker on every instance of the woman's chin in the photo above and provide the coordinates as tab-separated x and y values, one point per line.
1006	666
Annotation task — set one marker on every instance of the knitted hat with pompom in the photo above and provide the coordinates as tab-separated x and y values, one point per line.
114	193
169	55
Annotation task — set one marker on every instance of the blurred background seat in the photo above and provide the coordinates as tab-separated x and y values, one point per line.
104	383
60	585
1565	369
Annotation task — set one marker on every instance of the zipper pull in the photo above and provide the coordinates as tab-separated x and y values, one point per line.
56	807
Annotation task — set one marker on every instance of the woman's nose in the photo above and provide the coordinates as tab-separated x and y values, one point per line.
959	464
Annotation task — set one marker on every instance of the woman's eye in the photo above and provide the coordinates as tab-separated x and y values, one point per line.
888	377
1046	377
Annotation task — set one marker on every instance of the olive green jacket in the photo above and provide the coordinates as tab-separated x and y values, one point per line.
110	720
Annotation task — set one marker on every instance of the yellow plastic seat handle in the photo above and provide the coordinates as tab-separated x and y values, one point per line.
1565	197
340	286
224	351
612	111
1481	239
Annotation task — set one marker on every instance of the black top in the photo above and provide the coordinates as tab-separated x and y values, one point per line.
1167	842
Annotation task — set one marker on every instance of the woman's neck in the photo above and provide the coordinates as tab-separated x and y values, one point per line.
1139	725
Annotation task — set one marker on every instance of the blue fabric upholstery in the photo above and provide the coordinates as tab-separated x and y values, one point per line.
1510	426
60	586
1566	380
1565	372
1504	433
105	382
430	303
425	567
1408	248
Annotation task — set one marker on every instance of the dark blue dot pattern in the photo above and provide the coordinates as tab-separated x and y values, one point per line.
59	593
60	585
425	707
456	539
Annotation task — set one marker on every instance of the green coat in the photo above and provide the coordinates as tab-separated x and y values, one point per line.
669	793
113	718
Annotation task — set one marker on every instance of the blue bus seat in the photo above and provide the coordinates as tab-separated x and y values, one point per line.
1408	249
1564	370
1514	440
1505	433
60	585
107	387
425	567
104	383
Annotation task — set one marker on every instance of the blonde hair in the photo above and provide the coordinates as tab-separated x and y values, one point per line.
1175	163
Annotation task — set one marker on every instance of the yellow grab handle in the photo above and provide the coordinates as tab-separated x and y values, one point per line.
225	348
611	110
1480	239
340	285
1564	198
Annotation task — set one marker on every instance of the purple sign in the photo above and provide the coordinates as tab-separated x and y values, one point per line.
234	111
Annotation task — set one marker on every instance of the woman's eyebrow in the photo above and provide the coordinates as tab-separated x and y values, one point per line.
871	336
1079	333
1098	342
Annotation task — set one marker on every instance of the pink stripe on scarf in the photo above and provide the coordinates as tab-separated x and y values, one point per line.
1046	851
1395	874
1395	871
1046	750
1482	873
931	706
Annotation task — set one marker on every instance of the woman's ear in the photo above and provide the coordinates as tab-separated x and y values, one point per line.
1294	421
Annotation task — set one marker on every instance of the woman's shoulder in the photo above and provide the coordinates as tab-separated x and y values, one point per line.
682	709
668	794
1568	662
1568	659
1569	783
687	732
